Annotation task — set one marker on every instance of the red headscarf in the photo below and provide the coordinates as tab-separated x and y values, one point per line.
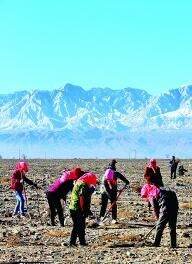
75	173
88	178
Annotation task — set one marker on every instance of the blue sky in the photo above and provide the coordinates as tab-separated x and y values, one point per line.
144	44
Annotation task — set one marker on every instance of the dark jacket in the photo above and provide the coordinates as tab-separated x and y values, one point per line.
153	176
173	164
166	203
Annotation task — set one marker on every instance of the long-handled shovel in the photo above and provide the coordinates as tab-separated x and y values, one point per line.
111	206
96	224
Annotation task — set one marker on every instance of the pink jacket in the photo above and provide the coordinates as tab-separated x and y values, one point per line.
55	186
149	191
67	175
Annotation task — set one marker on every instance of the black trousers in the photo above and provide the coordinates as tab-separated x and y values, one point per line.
173	174
104	202
55	208
78	227
165	218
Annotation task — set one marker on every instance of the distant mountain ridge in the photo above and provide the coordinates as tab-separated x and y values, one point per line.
99	117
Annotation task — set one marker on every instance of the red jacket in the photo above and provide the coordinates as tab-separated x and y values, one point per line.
17	180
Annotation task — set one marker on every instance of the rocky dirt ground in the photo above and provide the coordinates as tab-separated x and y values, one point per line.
33	240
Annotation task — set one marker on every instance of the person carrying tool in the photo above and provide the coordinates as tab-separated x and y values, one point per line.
80	206
18	179
109	191
165	207
59	190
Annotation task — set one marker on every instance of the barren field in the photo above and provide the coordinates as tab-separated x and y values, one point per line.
33	239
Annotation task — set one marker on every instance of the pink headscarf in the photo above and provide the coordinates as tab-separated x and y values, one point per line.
22	165
88	178
152	164
149	191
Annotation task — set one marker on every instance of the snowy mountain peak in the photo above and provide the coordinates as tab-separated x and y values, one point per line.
128	108
93	118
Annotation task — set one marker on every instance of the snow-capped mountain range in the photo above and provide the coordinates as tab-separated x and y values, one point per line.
101	122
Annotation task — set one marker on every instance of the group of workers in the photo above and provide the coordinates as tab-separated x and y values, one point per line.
173	166
82	184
